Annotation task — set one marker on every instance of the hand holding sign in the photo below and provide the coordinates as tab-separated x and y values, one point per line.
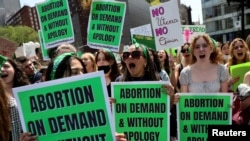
27	137
169	89
233	80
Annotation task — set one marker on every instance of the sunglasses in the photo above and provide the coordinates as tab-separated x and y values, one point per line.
184	50
134	54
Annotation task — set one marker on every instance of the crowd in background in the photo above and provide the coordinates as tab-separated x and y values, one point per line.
185	73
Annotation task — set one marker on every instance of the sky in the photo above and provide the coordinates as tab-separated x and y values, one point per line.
194	4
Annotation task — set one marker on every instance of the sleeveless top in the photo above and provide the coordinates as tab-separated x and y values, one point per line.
204	87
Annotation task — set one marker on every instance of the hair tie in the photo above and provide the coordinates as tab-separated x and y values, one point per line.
215	44
144	48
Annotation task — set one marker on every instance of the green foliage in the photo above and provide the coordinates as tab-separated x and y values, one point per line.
19	34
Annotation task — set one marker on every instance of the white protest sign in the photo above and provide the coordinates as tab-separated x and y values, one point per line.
166	25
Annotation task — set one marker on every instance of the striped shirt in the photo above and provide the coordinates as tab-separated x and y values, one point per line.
15	121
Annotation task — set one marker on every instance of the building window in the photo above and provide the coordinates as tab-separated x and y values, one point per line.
214	26
230	9
248	18
212	12
217	10
229	23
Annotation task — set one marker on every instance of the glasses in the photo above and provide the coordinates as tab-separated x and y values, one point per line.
184	50
134	55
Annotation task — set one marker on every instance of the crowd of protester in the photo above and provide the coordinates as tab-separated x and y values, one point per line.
185	73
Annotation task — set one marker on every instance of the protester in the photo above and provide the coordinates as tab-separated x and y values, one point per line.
12	76
29	68
140	67
164	59
65	65
244	94
225	52
105	61
157	66
8	132
89	61
64	48
239	53
205	61
185	61
248	41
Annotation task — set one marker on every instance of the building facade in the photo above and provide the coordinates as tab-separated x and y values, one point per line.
25	16
7	9
223	20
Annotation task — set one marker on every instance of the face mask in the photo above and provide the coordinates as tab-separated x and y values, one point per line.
106	69
225	57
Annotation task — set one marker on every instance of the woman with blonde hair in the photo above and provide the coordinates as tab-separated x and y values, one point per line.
239	53
89	61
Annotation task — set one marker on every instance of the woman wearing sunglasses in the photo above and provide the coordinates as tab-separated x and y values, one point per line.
185	60
140	67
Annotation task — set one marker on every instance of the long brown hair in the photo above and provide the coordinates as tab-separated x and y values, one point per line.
109	56
4	113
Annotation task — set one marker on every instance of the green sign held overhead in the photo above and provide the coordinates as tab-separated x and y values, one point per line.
239	70
196	111
141	110
105	24
148	41
69	109
55	22
172	51
43	49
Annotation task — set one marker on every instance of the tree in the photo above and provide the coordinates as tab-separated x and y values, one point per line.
19	34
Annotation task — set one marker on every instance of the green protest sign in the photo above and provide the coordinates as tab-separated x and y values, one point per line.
149	41
43	49
141	110
239	70
70	109
105	24
172	51
3	59
55	22
196	111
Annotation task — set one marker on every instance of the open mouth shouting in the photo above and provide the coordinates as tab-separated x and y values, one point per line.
132	66
202	56
4	76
